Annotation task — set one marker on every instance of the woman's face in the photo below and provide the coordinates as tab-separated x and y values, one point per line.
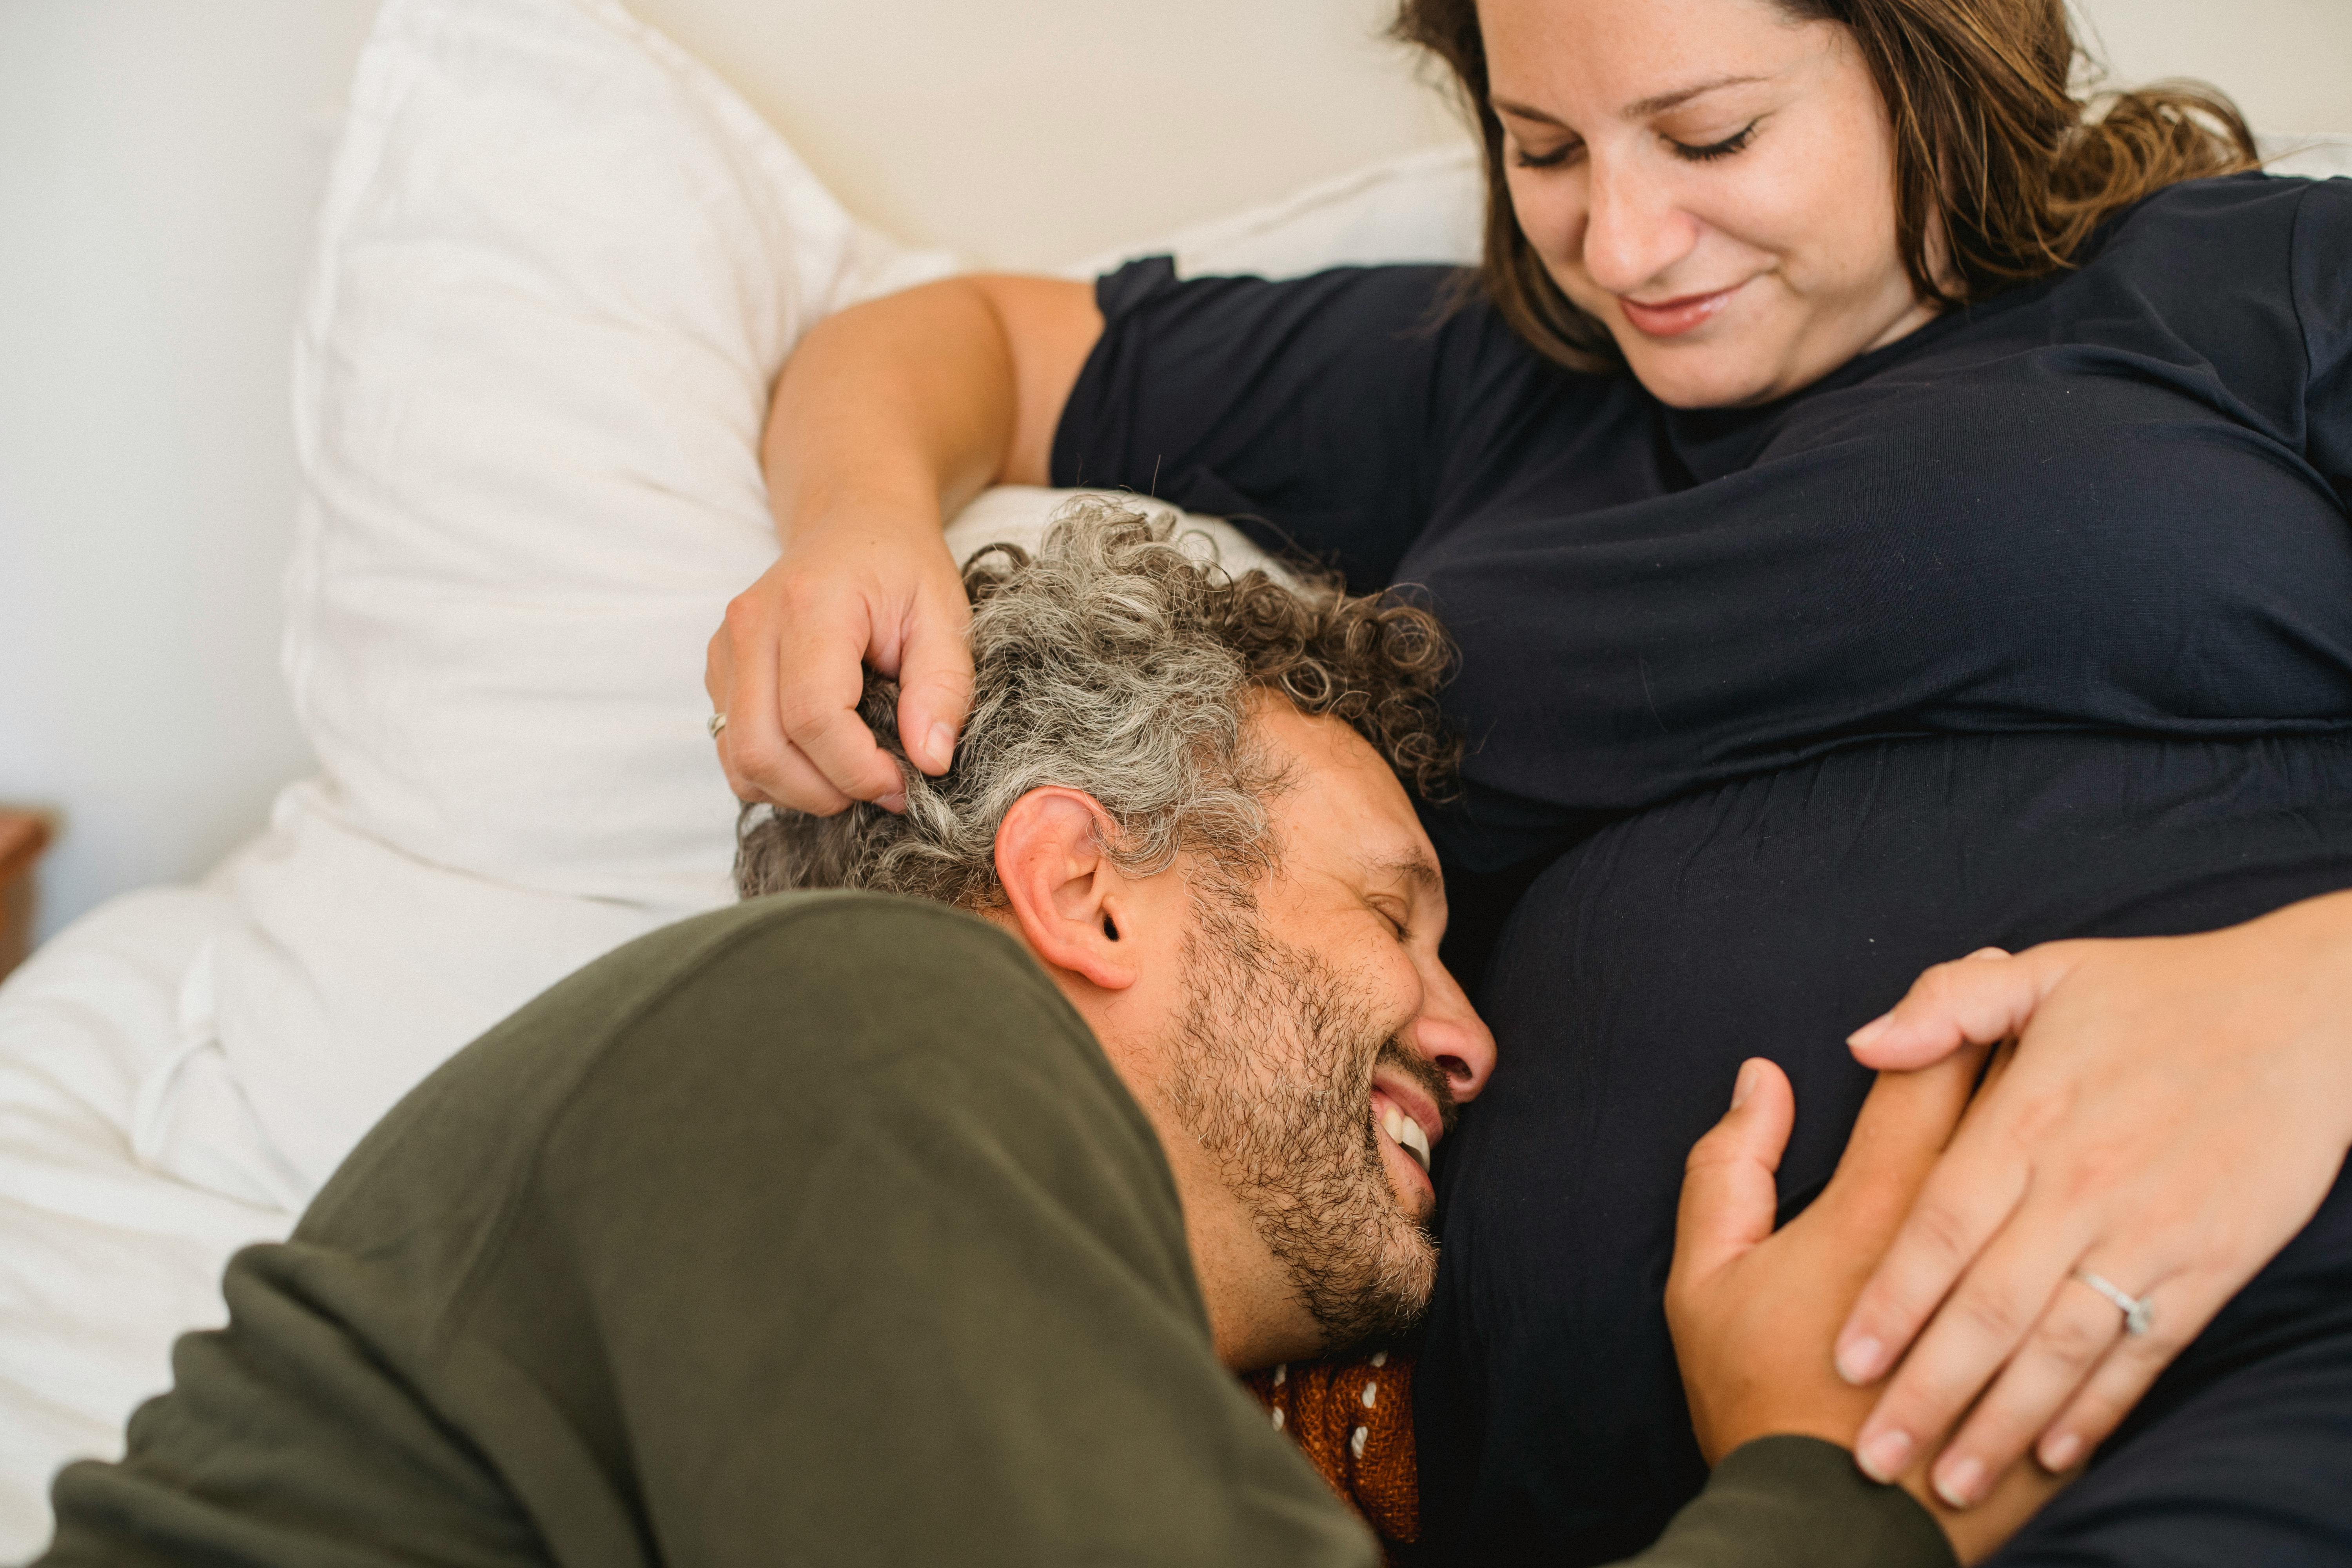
1712	179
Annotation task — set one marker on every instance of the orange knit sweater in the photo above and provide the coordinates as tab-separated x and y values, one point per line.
1354	1421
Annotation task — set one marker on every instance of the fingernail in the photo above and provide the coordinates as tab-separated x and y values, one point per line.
1859	1359
1743	1085
942	747
2061	1452
1862	1037
1883	1457
893	803
1960	1481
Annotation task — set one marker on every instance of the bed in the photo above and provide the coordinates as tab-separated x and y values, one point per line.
558	264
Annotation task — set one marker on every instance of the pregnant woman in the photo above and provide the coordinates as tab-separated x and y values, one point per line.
1889	510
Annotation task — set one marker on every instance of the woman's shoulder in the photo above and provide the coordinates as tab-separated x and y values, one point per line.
2247	217
2225	264
2243	280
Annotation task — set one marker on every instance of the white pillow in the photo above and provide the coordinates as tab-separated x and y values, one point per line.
558	265
1427	206
2313	157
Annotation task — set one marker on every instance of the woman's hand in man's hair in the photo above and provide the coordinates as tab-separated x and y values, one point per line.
888	418
1754	1309
788	665
2179	1108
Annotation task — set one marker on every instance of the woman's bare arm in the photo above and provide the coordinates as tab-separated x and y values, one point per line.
886	419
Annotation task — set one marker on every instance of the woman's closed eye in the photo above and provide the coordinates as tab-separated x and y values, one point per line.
1557	158
1705	152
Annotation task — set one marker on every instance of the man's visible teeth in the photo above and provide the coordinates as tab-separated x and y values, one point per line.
1408	1135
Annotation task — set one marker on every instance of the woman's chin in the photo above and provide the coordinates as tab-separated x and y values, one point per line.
1696	374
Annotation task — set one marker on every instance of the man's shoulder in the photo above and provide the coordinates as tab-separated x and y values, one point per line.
856	976
790	941
845	974
805	990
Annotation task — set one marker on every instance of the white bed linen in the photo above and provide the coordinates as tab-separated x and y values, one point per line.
102	1256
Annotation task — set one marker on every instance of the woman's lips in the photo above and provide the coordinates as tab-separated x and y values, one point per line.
1672	318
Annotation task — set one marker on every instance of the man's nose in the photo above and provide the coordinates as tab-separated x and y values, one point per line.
1450	1035
1633	232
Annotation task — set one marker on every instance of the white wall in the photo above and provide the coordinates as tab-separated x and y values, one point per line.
2287	62
1026	132
158	163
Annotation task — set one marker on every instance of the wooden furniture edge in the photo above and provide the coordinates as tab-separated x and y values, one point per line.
23	836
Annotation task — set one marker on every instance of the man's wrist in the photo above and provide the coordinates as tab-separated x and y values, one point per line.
1795	1498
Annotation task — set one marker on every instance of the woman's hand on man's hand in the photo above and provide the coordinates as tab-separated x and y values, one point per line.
787	666
1754	1310
2178	1109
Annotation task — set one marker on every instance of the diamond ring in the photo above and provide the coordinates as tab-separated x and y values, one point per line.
2138	1316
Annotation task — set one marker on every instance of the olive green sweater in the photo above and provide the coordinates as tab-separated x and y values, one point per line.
818	1230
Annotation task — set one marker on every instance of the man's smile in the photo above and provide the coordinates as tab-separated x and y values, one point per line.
1406	1117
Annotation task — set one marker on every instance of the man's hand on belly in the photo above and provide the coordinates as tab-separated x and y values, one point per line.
1754	1310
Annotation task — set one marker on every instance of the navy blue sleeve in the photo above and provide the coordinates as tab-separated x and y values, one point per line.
2323	303
1312	411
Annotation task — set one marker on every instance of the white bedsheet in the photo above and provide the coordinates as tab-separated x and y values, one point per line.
102	1258
181	1071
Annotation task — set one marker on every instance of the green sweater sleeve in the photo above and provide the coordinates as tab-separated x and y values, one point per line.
1797	1502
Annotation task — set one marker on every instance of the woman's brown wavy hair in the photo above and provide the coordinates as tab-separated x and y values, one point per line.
1977	89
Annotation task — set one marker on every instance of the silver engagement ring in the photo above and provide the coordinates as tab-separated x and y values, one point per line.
2138	1317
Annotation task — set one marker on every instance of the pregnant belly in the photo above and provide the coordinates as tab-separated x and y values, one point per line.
1768	917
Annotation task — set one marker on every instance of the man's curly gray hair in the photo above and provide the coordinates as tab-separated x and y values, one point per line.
1116	662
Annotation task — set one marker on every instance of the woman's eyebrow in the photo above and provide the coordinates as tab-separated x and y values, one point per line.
1666	102
1521	112
1642	109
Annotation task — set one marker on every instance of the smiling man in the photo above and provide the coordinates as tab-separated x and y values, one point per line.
855	1229
1279	1007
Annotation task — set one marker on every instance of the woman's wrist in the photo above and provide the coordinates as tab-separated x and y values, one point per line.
871	508
2312	942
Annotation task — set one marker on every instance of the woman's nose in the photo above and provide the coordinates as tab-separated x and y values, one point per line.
1449	1033
1633	232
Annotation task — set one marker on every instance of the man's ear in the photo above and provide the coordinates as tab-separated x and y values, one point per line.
1068	899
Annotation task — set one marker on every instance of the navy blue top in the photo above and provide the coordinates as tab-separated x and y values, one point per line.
2037	623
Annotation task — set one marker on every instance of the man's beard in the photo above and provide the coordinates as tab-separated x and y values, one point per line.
1275	1061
